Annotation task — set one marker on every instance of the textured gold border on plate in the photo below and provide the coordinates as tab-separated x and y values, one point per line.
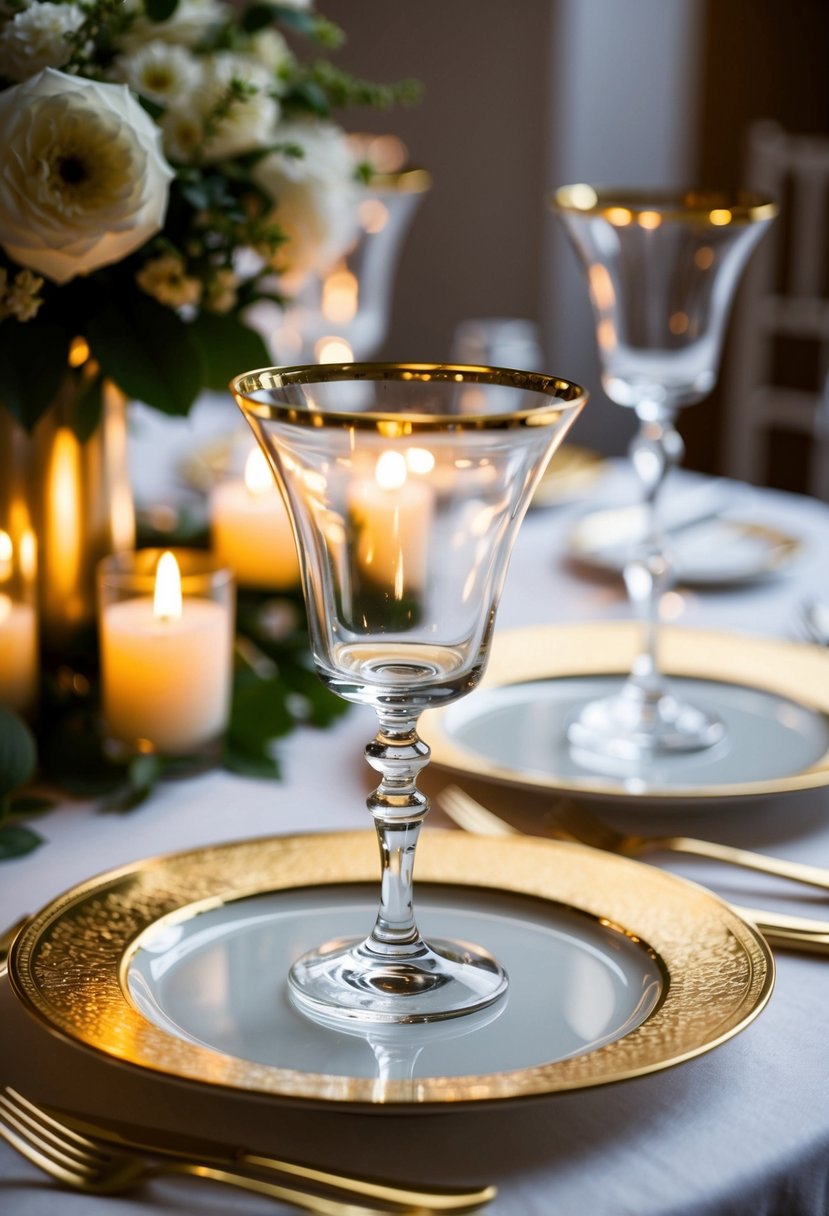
796	670
66	965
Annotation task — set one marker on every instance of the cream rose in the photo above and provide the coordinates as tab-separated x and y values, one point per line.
315	195
83	181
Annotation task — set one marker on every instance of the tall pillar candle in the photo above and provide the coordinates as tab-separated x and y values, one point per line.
251	531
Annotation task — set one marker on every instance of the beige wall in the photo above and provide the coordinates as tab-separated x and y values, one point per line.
480	129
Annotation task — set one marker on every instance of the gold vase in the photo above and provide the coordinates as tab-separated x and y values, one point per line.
74	495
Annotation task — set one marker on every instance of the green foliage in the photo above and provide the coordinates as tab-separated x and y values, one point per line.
32	363
18	760
275	690
227	345
149	352
160	10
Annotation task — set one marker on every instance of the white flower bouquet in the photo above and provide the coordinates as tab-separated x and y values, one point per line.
164	165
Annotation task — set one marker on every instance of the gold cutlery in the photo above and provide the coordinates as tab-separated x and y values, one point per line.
143	1140
779	929
89	1165
210	1155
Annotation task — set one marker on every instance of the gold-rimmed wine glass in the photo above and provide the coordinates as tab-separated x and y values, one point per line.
662	269
406	485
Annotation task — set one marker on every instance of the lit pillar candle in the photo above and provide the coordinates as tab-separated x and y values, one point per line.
166	666
391	513
251	530
18	632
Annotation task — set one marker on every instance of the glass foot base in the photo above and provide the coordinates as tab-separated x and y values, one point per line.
349	981
636	725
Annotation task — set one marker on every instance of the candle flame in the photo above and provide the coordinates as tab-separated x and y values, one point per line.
258	476
390	471
167	596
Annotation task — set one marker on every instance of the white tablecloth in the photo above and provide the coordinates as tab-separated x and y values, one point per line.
743	1129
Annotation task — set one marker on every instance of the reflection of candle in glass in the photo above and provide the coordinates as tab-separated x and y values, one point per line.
166	666
251	530
391	513
339	297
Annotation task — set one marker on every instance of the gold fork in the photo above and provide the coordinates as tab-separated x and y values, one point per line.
779	929
87	1165
570	822
106	1140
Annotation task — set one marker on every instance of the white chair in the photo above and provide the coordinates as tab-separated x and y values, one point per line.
785	296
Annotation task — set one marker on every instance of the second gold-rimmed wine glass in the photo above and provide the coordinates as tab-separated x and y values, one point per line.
662	269
406	485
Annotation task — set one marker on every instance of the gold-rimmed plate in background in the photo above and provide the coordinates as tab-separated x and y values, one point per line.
772	695
711	551
176	966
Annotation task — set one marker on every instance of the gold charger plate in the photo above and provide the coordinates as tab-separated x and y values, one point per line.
773	696
70	965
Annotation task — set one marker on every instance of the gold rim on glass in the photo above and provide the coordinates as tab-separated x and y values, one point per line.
561	395
625	206
68	965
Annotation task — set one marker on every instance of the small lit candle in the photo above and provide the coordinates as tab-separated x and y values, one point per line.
391	513
18	654
166	666
251	530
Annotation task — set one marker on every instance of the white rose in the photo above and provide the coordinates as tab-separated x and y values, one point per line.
82	179
271	49
250	119
161	71
188	24
37	38
316	198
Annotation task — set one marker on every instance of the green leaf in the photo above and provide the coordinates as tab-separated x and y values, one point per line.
257	16
20	805
88	408
295	19
260	714
308	95
160	10
228	347
18	752
266	767
33	360
17	842
149	352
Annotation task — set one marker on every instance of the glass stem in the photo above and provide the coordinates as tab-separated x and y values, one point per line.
398	753
655	450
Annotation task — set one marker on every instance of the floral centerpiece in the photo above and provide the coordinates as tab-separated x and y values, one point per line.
165	165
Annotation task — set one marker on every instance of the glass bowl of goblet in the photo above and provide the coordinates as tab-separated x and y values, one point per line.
406	485
662	269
